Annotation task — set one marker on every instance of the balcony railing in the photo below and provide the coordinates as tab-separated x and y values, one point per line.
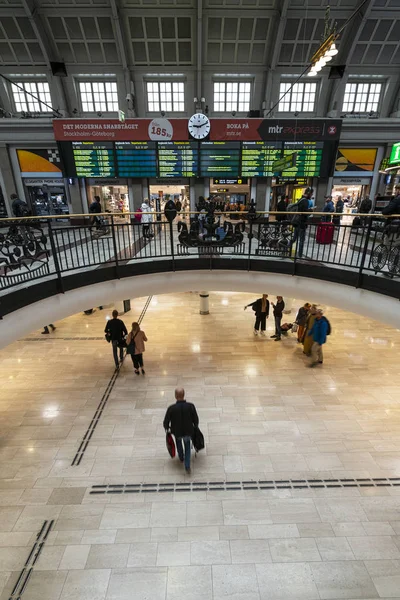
360	250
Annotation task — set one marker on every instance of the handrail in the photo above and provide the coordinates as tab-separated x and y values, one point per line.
38	250
233	212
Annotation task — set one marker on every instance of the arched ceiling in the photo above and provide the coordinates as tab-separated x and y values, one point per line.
197	39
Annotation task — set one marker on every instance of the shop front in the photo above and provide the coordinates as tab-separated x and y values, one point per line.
46	196
43	183
162	190
351	189
291	188
113	194
231	191
354	171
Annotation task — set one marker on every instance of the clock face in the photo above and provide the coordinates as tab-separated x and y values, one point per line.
199	126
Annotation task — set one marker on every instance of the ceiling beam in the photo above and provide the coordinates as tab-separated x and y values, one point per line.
122	41
348	43
394	106
34	19
49	51
119	34
276	38
199	65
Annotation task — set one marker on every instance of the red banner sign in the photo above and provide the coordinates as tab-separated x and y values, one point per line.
162	130
100	130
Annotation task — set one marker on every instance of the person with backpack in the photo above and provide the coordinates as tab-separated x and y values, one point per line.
116	331
299	221
182	419
320	330
19	207
261	308
135	347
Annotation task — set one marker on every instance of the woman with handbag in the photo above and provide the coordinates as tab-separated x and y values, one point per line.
135	347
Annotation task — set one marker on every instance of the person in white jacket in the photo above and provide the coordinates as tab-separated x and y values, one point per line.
147	218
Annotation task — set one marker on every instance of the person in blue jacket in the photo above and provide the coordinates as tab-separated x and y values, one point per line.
328	208
319	331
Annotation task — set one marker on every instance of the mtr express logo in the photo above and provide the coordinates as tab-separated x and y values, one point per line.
295	130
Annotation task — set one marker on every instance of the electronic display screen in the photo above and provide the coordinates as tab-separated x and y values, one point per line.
178	159
219	159
94	159
136	159
308	158
258	158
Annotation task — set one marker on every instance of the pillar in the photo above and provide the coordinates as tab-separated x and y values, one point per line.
7	179
288	305
204	303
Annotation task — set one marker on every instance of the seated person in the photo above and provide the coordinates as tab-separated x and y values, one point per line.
286	327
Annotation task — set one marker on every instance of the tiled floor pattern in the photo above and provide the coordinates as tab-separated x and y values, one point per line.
265	416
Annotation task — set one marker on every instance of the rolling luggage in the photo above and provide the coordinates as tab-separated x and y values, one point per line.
325	233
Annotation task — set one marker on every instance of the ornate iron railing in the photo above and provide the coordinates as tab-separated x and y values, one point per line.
34	249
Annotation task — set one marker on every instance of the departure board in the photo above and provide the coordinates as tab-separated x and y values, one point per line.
258	158
94	159
219	159
308	158
136	159
178	159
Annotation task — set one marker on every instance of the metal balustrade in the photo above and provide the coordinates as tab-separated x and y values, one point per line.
34	250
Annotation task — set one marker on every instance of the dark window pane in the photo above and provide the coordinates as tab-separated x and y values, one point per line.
154	52
168	27
152	29
184	28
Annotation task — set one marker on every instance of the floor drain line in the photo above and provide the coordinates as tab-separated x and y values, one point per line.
95	421
26	572
102	404
226	486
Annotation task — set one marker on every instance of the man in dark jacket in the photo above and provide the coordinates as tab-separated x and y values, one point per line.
95	209
278	313
261	308
19	207
300	221
393	208
116	331
182	419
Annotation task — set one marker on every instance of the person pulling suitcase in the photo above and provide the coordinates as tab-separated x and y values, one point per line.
182	419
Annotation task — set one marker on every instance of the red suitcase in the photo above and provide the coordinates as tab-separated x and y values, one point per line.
325	233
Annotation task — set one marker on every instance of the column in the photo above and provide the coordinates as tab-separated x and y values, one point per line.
204	303
288	305
7	179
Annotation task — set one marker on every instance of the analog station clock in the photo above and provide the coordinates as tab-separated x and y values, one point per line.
199	126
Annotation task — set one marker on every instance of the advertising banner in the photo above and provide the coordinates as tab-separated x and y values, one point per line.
101	130
165	130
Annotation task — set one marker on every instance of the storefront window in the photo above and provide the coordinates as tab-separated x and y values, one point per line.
113	197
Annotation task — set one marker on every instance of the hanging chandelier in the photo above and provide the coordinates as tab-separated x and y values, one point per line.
323	55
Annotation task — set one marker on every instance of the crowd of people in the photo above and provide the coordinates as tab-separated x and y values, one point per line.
311	326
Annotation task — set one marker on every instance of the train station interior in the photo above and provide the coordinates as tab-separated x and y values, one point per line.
199	299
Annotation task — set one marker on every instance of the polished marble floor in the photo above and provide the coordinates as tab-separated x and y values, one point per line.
265	416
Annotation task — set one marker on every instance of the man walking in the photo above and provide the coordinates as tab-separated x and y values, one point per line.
116	331
182	419
319	331
278	313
